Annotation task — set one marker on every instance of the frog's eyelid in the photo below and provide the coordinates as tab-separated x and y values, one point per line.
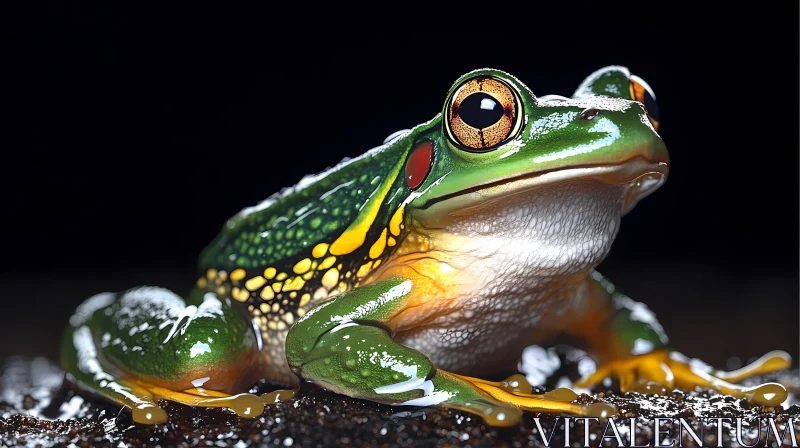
644	84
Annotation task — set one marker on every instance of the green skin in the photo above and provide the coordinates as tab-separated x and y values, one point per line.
344	335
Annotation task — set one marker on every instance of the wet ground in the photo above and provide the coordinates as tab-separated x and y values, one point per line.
36	409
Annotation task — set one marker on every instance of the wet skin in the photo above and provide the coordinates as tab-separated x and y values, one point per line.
405	274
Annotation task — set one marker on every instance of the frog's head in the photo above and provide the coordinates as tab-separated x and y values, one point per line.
569	163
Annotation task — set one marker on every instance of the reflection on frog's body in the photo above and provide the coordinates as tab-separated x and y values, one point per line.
403	274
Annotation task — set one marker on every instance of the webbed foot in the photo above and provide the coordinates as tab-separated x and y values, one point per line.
671	369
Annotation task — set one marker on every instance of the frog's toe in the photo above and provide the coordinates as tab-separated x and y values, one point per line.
510	392
660	371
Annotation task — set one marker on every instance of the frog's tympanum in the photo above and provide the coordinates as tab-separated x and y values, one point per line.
404	275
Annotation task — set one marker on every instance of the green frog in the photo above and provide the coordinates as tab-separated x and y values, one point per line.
409	274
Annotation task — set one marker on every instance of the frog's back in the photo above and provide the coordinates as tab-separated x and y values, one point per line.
310	241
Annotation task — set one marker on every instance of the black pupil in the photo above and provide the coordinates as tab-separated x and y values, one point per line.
480	110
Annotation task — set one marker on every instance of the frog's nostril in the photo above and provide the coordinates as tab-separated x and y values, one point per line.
589	114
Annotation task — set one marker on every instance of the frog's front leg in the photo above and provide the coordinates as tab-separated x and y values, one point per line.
148	343
632	346
345	345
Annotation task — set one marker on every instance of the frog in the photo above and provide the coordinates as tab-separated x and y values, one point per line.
416	273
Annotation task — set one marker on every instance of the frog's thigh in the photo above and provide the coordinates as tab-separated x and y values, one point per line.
147	343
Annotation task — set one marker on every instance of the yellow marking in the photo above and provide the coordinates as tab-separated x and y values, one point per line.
364	269
281	276
376	264
289	318
272	325
397	219
202	282
240	294
267	293
277	286
238	275
255	283
330	278
264	308
294	284
221	291
302	266
293	294
320	293
319	250
308	275
304	299
281	325
301	312
275	308
347	274
356	233
392	241
326	263
380	244
269	273
211	274
222	275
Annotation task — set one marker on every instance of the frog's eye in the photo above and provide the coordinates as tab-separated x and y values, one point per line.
641	92
482	113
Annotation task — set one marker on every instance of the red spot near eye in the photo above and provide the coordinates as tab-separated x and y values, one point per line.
419	164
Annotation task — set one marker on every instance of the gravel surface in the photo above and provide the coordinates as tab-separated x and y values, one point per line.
36	409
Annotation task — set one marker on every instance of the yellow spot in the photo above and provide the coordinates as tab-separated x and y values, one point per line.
221	291
347	274
255	283
377	248
319	250
222	275
289	318
294	284
330	278
302	266
304	299
264	308
326	263
267	294
397	219
320	293
281	276
352	238
301	312
277	286
240	294
376	264
269	273
281	325
272	325
275	307
238	274
202	282
308	275
293	294
211	274
364	269
392	241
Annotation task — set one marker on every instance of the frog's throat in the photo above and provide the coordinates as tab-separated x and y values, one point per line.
639	176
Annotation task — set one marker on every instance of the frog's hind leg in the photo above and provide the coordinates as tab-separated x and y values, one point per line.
344	346
147	343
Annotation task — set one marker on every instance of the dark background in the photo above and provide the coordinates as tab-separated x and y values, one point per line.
134	133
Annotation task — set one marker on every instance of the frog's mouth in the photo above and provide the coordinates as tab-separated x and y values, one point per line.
637	177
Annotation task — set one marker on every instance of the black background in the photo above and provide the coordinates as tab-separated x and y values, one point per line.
134	133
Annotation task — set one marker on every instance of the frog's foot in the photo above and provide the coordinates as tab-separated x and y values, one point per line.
671	369
516	391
